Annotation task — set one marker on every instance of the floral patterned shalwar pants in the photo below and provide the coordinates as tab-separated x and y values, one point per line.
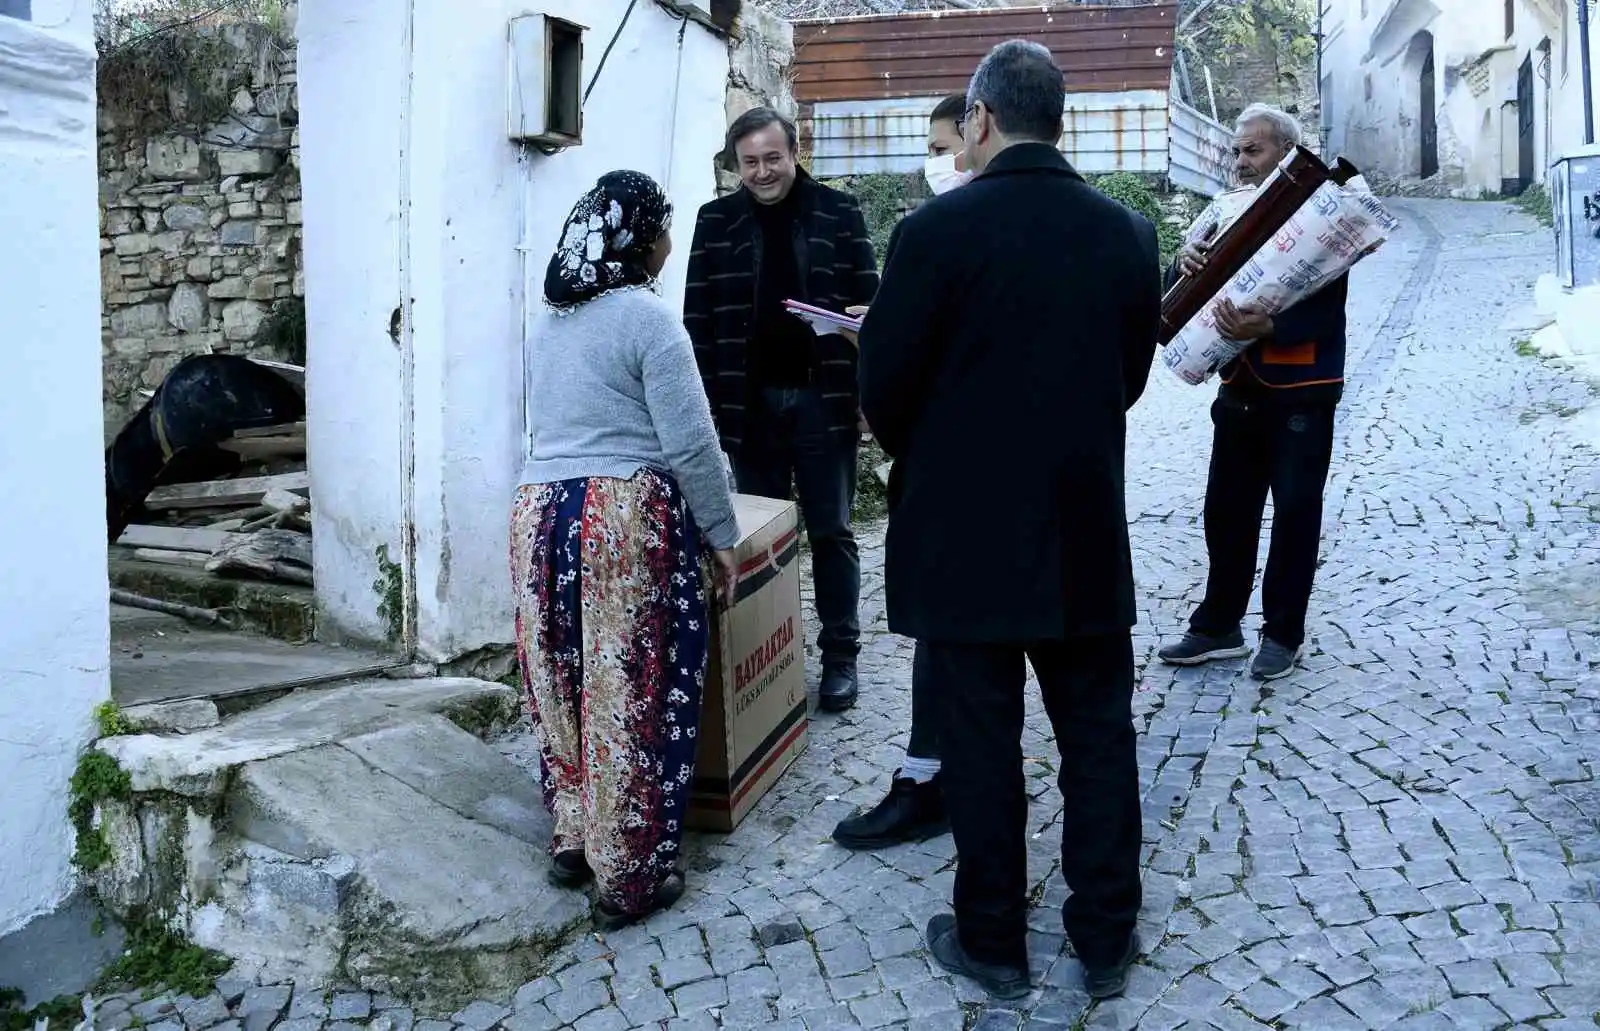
612	634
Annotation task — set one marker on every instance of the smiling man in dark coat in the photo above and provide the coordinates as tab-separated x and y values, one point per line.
1015	326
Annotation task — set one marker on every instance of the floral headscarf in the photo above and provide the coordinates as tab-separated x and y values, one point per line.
607	239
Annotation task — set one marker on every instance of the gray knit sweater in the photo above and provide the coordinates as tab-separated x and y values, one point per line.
611	388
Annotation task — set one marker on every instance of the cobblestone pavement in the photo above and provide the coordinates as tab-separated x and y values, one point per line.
1404	834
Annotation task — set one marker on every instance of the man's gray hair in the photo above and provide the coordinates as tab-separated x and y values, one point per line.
1284	125
1021	84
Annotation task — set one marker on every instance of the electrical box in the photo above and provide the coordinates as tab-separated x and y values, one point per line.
700	10
546	81
1575	208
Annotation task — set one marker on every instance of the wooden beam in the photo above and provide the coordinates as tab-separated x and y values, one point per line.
282	429
191	559
220	493
174	538
257	448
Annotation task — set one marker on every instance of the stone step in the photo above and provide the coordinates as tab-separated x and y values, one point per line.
284	611
362	834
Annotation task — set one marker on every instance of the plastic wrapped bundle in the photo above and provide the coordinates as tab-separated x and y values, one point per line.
1339	225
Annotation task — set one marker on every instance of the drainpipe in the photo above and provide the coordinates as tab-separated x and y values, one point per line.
1583	52
1323	124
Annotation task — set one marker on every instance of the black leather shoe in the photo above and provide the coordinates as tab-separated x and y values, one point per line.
839	687
910	812
1109	982
1002	982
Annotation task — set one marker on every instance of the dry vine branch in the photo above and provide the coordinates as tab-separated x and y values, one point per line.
798	9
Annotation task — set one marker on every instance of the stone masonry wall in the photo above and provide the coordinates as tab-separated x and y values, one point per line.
1263	73
760	74
200	206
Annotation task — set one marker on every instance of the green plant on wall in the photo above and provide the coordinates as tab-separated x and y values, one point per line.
1135	193
283	331
97	779
390	586
1238	26
885	199
110	721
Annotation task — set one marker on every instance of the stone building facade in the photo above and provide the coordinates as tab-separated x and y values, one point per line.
200	216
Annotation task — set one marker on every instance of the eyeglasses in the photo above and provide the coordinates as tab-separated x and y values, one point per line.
961	126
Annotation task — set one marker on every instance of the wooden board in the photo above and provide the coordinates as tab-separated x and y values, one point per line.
215	493
274	554
174	538
256	448
193	559
282	429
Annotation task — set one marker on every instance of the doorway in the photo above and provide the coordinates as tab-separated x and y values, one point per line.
1525	120
1429	120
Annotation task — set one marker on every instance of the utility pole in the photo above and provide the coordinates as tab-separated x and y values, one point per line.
1583	54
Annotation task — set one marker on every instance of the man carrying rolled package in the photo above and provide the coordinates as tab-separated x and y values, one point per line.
1274	419
913	810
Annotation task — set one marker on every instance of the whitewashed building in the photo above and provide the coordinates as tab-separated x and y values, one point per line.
54	612
1485	94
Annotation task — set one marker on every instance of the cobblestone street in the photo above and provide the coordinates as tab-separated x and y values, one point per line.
1404	834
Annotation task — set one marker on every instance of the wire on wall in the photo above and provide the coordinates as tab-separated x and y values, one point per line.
550	150
606	54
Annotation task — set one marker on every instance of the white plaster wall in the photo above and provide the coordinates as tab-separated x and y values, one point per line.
54	623
466	193
354	90
1566	113
1381	133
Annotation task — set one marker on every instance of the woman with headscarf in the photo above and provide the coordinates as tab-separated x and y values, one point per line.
624	489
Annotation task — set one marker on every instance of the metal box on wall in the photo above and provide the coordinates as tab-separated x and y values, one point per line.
1575	207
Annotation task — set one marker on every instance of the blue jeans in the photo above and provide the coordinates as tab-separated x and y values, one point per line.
788	447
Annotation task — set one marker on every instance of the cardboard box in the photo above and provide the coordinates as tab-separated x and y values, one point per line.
753	714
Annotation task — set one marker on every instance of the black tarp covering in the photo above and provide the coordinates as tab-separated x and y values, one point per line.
173	438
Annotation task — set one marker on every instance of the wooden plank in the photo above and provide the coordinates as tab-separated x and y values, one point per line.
174	538
285	501
256	448
191	559
216	493
273	554
282	429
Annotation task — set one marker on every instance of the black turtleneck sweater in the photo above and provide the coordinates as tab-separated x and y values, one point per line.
781	345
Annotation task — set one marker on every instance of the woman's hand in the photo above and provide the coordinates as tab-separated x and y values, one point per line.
727	575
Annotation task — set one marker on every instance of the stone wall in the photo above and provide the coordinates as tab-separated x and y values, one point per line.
760	74
1264	73
200	209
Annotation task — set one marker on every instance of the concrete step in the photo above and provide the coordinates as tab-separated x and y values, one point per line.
284	611
361	834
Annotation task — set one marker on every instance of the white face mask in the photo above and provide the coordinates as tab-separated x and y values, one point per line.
942	175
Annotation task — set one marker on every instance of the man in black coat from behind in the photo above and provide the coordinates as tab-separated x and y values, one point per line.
1015	325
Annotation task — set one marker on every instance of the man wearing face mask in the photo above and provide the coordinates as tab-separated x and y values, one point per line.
914	808
1274	419
946	168
997	367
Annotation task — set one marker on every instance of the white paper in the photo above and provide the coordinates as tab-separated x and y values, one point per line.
1332	231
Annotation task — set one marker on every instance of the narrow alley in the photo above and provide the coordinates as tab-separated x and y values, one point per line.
1404	834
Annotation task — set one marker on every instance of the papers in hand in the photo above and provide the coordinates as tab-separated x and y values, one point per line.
821	320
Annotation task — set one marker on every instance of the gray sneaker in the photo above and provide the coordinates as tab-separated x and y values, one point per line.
1199	649
1273	660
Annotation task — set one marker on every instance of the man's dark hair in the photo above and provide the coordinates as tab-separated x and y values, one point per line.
951	109
1021	84
752	122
